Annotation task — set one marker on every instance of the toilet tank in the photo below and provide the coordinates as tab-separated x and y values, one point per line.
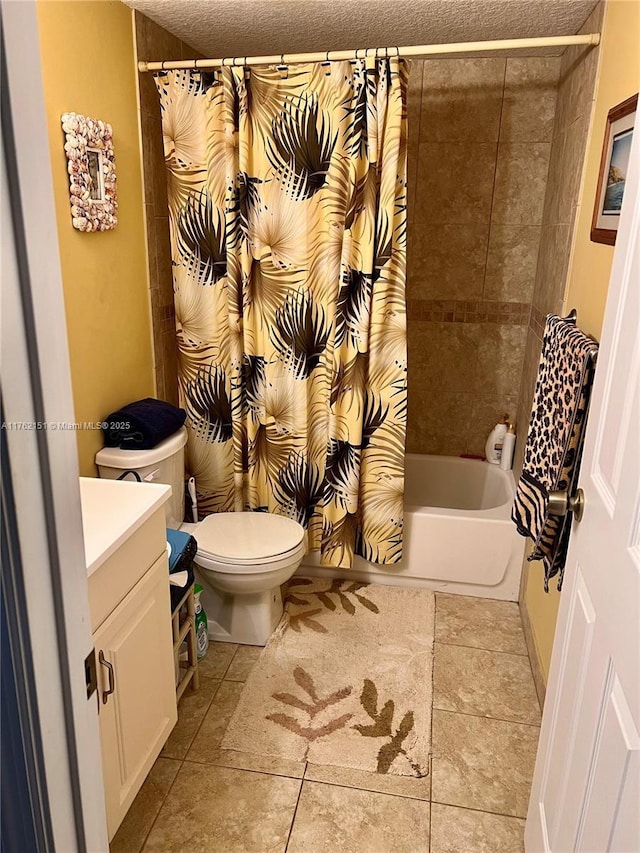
163	463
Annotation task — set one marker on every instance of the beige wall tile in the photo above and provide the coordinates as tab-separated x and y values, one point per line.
455	182
442	356
414	95
486	411
553	263
438	421
511	262
529	374
448	261
555	179
462	100
520	183
529	106
575	142
577	75
500	358
164	275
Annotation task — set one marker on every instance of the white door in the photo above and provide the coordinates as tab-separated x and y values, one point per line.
586	787
47	573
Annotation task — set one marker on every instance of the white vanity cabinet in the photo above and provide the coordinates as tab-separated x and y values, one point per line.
132	636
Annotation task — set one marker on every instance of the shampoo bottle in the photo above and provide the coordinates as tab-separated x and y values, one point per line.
493	447
508	445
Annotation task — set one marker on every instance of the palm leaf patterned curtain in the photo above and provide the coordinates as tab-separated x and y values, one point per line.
287	206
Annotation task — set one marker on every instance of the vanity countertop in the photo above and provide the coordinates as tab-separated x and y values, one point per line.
112	510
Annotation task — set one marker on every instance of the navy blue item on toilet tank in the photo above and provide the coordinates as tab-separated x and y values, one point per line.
142	425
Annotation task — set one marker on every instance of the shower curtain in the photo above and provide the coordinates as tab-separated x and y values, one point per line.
287	211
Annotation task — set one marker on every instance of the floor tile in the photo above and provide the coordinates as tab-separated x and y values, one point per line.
191	711
220	809
206	742
216	662
139	819
482	764
248	761
382	783
490	684
463	831
338	819
483	623
243	662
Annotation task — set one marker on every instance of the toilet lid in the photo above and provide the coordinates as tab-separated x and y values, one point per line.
247	537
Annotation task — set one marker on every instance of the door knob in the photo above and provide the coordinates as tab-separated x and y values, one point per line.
559	503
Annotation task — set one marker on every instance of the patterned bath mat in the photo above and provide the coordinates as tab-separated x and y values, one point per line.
345	680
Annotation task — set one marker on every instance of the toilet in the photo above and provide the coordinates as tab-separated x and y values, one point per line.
243	558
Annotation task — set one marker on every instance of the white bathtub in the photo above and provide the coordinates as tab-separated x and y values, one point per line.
458	534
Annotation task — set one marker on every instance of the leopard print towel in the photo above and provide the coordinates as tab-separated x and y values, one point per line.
554	441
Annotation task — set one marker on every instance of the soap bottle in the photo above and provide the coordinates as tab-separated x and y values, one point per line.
508	445
202	628
493	447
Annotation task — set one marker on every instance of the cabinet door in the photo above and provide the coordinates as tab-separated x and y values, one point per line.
135	722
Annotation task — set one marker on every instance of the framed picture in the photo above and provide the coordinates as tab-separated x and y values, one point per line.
613	171
92	172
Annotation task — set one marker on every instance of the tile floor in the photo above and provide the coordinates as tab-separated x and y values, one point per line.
199	797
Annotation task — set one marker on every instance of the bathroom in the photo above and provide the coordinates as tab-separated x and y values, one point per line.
502	162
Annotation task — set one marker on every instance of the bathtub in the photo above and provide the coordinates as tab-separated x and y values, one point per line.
458	534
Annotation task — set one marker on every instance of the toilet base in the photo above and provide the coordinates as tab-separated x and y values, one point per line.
246	619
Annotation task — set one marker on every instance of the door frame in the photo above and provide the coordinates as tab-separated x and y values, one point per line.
41	458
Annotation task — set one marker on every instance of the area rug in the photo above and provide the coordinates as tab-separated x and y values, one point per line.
345	680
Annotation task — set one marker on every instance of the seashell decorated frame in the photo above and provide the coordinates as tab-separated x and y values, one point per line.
92	172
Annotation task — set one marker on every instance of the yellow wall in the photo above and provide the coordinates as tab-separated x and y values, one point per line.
87	56
590	268
619	78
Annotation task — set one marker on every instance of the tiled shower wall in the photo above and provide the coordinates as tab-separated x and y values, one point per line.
154	42
575	99
480	133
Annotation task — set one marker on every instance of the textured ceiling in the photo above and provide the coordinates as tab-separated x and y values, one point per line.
257	27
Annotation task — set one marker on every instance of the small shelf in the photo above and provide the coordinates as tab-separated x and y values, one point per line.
183	623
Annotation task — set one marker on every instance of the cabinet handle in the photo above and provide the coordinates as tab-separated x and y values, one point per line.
112	680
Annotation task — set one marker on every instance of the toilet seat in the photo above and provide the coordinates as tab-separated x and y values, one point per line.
247	542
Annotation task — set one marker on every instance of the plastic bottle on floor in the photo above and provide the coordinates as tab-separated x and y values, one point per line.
202	628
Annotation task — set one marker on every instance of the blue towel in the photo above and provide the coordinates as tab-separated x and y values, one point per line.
142	425
183	549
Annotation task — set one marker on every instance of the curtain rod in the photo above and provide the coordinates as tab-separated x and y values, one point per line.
418	51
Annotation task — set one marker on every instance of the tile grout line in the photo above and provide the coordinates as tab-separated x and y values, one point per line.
481	811
480	648
181	761
198	727
295	811
484	717
164	800
495	180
